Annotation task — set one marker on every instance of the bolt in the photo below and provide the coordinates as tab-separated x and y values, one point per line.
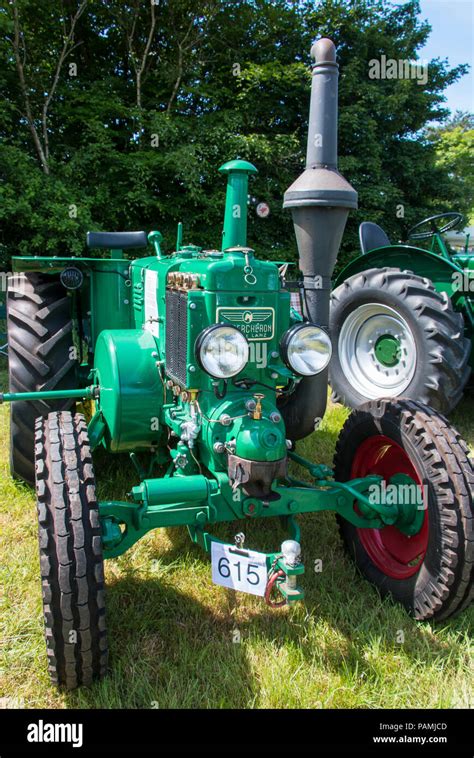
192	369
219	447
250	405
274	375
274	354
225	419
275	417
192	306
289	444
125	302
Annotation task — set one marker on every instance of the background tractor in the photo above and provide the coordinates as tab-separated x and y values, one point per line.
402	317
197	367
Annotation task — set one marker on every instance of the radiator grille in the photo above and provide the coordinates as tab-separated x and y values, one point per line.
176	335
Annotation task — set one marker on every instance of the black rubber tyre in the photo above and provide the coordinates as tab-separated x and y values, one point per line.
442	352
39	341
72	567
443	582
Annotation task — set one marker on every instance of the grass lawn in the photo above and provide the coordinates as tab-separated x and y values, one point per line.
172	632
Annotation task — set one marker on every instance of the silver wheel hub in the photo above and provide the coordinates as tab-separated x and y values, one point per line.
361	332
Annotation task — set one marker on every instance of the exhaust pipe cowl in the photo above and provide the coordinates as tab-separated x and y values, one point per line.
320	200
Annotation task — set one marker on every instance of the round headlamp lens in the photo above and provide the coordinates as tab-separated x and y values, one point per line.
222	351
306	349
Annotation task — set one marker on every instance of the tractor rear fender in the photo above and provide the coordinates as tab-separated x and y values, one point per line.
104	292
406	257
446	276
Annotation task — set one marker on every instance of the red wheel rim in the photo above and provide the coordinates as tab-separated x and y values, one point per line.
396	554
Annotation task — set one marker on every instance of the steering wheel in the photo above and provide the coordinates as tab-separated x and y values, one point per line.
454	220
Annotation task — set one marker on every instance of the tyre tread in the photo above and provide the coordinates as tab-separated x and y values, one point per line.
71	559
451	472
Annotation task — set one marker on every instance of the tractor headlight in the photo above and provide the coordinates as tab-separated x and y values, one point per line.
306	349
222	351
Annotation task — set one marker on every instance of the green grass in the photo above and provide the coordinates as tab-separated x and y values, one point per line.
171	630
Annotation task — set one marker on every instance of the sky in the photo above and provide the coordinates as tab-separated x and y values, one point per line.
452	37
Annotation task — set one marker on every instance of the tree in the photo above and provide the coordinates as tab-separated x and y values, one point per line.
35	100
158	96
454	145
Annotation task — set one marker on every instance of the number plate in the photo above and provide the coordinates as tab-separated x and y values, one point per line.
242	570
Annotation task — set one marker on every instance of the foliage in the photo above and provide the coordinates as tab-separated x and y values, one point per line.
116	115
454	145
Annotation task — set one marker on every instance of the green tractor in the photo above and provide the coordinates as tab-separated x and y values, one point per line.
196	366
402	318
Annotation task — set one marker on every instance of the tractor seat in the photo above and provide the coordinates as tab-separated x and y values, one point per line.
116	240
371	236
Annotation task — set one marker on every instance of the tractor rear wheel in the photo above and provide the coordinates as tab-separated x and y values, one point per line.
70	542
432	572
39	329
394	335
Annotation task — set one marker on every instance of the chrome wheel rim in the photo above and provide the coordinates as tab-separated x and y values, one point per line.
361	336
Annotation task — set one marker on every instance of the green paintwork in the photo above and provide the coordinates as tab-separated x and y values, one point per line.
387	350
235	218
107	285
80	394
196	501
259	440
131	392
452	273
155	239
103	302
179	236
110	294
224	288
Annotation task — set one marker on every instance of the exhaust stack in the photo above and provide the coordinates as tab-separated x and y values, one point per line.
320	200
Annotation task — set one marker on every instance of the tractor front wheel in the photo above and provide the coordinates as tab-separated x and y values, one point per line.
71	562
431	572
394	335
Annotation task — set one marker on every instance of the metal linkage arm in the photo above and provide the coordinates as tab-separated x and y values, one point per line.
86	393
